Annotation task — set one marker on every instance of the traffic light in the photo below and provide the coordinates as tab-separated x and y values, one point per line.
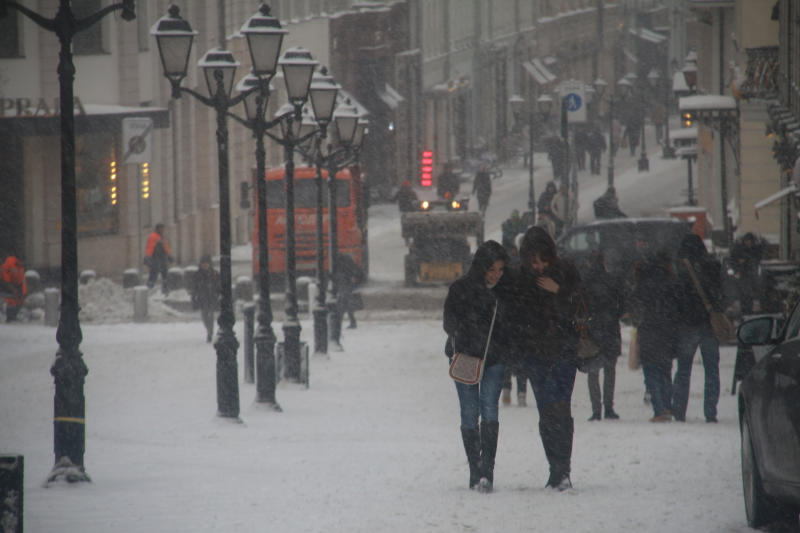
687	119
426	170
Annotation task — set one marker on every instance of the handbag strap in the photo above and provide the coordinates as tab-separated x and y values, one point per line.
489	338
697	286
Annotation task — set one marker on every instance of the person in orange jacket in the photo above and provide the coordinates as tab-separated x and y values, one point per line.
12	276
156	257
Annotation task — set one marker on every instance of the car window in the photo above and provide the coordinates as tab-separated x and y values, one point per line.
793	325
584	240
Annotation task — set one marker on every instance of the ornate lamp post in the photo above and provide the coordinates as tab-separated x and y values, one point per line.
349	129
544	105
69	369
298	67
644	162
264	39
174	37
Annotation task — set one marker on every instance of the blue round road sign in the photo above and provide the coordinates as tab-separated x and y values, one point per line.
574	102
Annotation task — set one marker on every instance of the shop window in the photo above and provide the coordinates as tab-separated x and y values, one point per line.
90	40
97	184
10	42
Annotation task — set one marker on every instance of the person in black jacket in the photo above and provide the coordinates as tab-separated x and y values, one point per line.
470	314
541	330
745	259
205	293
695	327
604	300
654	310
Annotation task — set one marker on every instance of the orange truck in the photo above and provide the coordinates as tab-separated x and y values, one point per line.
351	219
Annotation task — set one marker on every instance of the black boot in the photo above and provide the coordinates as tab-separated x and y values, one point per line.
556	428
489	432
472	445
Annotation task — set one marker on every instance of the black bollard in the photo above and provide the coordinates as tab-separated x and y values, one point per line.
249	310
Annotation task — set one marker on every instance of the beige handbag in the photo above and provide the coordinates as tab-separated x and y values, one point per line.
468	369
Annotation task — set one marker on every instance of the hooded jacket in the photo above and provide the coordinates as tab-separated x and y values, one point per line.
13	273
470	305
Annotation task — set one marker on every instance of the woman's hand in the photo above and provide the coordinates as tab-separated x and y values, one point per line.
547	284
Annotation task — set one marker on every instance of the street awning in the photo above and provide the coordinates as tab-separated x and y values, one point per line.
630	55
538	71
775	197
648	35
683	134
390	97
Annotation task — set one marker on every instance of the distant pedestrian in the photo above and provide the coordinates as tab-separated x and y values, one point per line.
511	227
694	327
581	147
12	279
448	183
482	186
607	205
406	198
596	145
347	277
654	313
156	257
604	300
549	209
745	260
205	293
470	311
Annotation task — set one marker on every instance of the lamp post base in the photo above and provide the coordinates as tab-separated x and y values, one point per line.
644	164
227	374
320	330
291	344
335	324
66	470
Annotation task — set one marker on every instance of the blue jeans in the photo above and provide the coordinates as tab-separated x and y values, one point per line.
480	401
552	383
689	338
658	383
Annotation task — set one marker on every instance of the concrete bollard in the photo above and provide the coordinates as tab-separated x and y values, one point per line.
130	278
174	278
33	281
140	303
243	290
51	297
87	276
249	310
303	284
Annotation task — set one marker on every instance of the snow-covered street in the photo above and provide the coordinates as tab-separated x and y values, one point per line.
373	444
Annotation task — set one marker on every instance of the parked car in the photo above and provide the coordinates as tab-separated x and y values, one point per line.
617	237
769	421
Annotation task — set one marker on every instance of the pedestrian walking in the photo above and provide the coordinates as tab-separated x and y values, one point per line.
448	183
549	209
12	278
581	147
406	198
654	313
745	260
694	327
607	205
205	293
482	187
540	308
156	257
347	277
470	309
604	301
596	145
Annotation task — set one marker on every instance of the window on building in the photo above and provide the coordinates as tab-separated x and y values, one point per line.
90	40
10	42
97	184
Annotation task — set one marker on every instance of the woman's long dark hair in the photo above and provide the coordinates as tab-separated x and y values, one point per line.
485	256
537	241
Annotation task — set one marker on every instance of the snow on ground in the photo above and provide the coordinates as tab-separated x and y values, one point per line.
372	445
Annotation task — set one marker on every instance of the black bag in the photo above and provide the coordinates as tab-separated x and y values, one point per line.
587	351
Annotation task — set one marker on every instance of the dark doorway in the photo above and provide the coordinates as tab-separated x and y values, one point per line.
12	197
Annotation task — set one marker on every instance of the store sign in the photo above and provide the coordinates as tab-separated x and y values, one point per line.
29	107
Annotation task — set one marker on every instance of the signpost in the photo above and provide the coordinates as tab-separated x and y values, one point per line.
137	146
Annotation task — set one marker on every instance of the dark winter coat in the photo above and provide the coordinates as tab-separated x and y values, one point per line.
709	274
536	322
469	307
604	299
482	186
347	276
655	308
206	288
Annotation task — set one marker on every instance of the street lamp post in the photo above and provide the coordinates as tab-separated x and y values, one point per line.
644	162
69	369
264	39
348	131
543	105
174	37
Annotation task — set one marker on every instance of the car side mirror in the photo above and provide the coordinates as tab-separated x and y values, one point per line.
756	331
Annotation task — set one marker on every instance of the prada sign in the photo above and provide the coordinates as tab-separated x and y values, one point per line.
27	107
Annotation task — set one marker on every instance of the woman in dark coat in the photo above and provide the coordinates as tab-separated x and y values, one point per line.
469	313
654	312
540	322
694	328
604	299
205	293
